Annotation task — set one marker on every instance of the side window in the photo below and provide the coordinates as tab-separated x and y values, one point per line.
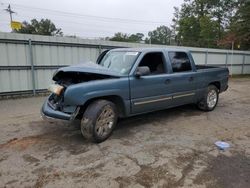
100	57
155	62
179	61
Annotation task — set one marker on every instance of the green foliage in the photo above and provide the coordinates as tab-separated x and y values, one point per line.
123	37
138	37
42	27
188	31
237	31
209	32
240	25
161	35
203	23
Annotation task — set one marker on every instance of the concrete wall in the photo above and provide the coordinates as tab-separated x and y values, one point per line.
27	62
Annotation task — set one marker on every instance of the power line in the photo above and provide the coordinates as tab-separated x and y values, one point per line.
108	19
99	26
98	23
86	23
90	19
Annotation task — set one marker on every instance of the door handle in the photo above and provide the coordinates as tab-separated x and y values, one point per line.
167	81
191	78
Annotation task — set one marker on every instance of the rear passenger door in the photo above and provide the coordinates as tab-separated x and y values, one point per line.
183	78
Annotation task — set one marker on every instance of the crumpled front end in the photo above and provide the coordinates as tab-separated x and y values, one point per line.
55	105
48	111
54	108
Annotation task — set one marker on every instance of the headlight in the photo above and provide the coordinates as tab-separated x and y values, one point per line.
55	88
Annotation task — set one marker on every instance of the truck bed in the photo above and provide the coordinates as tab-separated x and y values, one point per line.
205	67
211	69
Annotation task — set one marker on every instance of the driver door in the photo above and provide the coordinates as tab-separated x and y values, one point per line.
151	92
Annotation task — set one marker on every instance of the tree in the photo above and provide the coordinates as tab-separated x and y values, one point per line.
238	30
240	25
222	11
175	25
123	37
161	35
138	37
189	31
209	32
42	27
203	23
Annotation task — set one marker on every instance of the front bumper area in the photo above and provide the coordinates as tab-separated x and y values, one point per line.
49	113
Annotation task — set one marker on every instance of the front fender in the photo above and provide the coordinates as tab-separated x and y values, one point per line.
78	94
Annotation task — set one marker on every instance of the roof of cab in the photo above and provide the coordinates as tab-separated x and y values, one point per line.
150	49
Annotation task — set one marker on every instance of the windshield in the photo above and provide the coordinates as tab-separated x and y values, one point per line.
119	61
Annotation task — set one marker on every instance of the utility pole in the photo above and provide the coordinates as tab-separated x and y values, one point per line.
232	55
10	11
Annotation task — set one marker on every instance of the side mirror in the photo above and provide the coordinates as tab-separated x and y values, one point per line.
142	71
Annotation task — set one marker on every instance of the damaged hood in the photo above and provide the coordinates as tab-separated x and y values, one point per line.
89	68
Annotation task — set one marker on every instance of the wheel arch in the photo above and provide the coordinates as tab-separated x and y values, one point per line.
117	100
216	84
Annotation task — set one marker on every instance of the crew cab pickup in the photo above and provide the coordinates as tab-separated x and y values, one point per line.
129	81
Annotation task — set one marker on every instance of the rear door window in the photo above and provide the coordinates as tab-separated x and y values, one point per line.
180	61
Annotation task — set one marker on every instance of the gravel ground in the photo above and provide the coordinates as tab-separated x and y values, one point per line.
170	148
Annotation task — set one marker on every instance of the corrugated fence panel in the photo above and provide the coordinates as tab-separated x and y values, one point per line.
4	54
216	58
247	59
246	69
53	55
15	80
43	78
200	58
75	55
20	54
13	54
236	58
39	56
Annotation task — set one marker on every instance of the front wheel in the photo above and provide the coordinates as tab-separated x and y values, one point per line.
210	99
99	120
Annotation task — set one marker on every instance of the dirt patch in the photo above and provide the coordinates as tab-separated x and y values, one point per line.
147	176
20	144
30	158
225	171
44	177
189	159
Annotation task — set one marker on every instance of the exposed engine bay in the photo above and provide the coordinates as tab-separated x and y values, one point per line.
67	78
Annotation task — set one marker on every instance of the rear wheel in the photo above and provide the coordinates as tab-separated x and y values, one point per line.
210	99
99	120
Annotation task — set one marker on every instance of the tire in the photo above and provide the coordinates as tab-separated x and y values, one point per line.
206	103
99	120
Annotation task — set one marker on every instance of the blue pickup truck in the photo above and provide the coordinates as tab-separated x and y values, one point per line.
129	81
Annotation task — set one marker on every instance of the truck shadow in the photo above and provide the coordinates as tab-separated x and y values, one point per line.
60	136
126	124
65	132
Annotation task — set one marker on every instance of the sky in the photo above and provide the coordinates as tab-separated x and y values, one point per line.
93	18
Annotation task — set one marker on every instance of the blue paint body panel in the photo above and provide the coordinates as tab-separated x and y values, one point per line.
139	95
